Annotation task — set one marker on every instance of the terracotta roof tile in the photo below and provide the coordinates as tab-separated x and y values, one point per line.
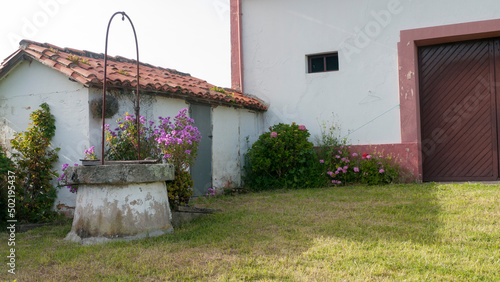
48	62
38	49
122	73
33	54
78	78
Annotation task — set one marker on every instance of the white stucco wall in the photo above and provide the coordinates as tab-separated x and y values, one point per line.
231	127
23	90
363	95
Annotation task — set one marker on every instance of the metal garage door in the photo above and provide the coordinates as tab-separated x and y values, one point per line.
459	110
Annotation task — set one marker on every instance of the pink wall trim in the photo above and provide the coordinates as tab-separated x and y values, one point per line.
405	154
410	40
236	51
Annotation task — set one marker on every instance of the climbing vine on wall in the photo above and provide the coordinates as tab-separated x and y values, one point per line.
34	161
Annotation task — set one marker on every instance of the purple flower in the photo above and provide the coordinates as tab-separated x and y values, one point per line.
321	161
211	192
381	170
369	156
356	169
330	173
337	156
354	154
187	152
274	134
302	127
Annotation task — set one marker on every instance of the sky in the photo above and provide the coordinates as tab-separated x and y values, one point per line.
191	36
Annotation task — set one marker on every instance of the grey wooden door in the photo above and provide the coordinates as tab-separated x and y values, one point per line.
201	171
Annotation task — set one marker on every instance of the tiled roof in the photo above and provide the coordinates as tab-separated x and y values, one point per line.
88	68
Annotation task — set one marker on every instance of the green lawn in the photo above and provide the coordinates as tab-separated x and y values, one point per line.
356	233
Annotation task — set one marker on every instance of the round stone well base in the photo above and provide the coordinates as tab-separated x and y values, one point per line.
120	202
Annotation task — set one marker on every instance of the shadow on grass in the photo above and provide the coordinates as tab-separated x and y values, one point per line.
401	212
281	222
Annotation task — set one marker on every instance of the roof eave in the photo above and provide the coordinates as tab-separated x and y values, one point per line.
189	97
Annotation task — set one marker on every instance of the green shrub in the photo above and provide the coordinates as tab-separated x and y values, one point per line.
34	160
282	158
6	165
180	189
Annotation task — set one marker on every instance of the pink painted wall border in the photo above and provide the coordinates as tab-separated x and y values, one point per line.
410	40
236	50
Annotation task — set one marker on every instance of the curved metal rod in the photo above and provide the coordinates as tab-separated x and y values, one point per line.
137	108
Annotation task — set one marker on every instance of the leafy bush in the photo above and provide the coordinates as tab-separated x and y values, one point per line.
34	160
282	157
180	189
6	165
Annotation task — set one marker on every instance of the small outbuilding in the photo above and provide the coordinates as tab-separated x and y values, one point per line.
69	80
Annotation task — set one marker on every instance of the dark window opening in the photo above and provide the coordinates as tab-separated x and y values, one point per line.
322	63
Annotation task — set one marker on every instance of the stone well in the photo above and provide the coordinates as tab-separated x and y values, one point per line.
120	202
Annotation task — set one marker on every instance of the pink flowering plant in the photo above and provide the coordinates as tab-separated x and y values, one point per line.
122	141
63	179
175	140
178	140
178	143
344	167
211	192
90	154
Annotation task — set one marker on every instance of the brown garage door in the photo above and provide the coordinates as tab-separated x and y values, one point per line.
459	109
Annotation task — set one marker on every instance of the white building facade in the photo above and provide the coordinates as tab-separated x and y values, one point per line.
373	89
